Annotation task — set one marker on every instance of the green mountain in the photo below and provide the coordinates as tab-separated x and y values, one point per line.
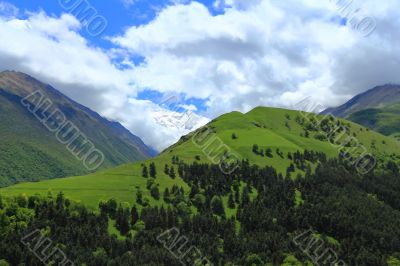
276	132
377	109
253	215
29	151
385	120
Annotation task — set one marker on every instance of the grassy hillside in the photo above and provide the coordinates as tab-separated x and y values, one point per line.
377	109
279	129
29	151
267	127
120	183
385	120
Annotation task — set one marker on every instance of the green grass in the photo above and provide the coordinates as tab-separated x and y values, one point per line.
120	183
332	241
272	132
112	230
298	198
385	120
232	212
263	126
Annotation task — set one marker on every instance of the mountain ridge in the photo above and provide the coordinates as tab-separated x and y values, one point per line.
377	109
21	129
376	97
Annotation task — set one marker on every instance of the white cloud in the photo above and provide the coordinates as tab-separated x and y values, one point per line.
259	52
8	9
51	49
156	125
128	3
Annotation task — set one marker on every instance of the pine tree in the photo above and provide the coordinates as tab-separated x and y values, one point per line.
166	169
153	172
181	170
145	172
112	207
217	206
60	200
122	220
255	148
166	195
391	166
139	197
193	191
172	172
150	182
291	168
237	195
231	202
268	153
245	196
155	193
134	215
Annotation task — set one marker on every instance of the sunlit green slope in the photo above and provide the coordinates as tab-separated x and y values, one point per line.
282	131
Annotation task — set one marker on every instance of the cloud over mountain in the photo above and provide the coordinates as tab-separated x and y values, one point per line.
250	53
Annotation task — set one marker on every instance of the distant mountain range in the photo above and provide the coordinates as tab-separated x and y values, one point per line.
377	109
29	151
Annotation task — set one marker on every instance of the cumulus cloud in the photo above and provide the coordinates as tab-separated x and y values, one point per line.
51	49
264	52
258	52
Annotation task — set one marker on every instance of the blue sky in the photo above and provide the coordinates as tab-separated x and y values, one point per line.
216	56
120	14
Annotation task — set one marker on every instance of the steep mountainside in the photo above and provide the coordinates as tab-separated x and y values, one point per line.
29	151
276	132
377	109
377	97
